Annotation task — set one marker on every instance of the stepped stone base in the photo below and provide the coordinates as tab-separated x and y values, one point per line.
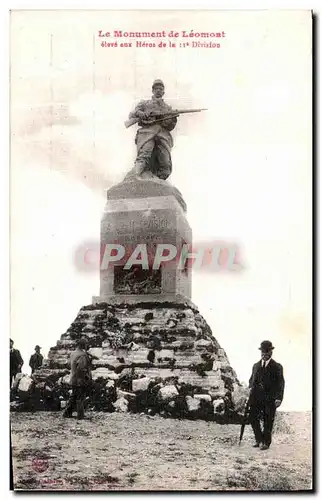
188	375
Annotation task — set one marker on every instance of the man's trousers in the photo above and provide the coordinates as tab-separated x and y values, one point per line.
264	410
76	401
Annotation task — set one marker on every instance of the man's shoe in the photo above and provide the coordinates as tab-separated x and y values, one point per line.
256	445
67	413
264	447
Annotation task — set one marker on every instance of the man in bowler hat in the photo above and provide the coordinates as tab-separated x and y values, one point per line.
36	359
267	389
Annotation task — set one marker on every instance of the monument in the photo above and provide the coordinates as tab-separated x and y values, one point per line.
151	349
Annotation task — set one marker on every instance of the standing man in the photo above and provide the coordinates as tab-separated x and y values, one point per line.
153	140
36	359
267	389
16	362
80	379
155	345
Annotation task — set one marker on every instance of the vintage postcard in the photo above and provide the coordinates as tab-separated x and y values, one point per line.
161	255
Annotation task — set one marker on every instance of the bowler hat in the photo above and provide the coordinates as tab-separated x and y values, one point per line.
37	347
266	345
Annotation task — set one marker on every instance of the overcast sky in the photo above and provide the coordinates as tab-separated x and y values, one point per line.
243	167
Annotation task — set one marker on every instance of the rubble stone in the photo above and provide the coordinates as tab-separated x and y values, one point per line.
121	405
168	393
202	397
141	384
192	404
219	406
239	398
189	368
25	383
129	396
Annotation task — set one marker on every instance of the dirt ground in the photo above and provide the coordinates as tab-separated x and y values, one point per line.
113	451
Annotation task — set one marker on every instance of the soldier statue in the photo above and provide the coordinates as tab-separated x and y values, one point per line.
153	140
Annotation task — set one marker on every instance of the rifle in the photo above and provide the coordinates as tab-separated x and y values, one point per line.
245	418
174	114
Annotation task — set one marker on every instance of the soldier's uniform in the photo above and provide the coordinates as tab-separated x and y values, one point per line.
154	142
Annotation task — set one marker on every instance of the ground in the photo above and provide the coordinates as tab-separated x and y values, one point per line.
113	451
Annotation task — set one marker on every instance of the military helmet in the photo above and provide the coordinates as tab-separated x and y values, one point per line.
157	82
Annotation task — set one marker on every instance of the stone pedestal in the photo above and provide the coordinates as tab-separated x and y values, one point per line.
153	350
148	213
185	374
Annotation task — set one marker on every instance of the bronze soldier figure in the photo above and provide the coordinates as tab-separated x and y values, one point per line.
156	120
153	140
267	389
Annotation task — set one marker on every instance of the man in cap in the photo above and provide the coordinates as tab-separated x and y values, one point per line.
16	362
267	389
80	378
36	360
153	141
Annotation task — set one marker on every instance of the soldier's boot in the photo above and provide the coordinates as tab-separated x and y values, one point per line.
80	409
142	172
144	162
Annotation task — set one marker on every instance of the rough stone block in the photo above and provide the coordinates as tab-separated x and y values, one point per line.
139	356
202	397
129	396
192	404
121	405
140	384
202	344
96	351
239	398
104	373
216	365
219	406
168	393
217	394
25	383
